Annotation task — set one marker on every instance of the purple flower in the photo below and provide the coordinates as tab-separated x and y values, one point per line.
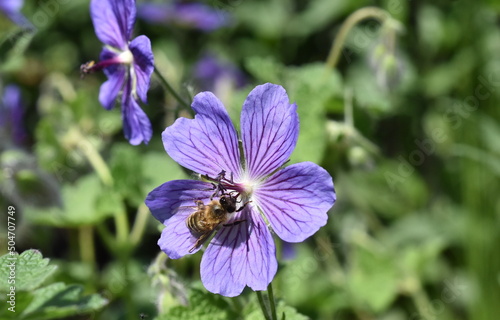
11	116
12	8
293	201
211	73
127	64
194	15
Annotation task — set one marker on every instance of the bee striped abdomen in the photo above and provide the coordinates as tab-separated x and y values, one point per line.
195	224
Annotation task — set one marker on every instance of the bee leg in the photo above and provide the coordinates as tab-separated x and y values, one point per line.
200	241
200	204
234	223
243	206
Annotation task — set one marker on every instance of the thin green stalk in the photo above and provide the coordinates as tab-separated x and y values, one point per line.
356	17
271	301
171	90
139	225
86	244
263	305
95	160
122	229
106	236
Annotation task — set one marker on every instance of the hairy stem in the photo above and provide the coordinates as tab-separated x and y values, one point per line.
271	301
265	310
95	159
139	225
171	90
86	241
356	17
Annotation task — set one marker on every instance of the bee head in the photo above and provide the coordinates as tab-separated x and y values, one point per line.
228	202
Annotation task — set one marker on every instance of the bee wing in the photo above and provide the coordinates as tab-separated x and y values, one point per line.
201	240
190	209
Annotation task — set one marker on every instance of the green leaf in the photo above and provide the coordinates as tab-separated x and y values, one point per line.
29	267
80	206
159	168
266	69
283	311
400	189
372	280
126	168
202	306
17	41
26	183
367	92
311	87
59	300
56	300
268	19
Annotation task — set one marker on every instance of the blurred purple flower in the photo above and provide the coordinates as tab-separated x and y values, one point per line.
193	15
288	251
210	71
127	64
12	8
294	199
11	117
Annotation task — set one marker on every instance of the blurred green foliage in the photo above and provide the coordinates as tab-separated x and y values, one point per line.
407	123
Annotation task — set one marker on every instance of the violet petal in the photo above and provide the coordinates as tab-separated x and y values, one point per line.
176	239
171	203
11	5
269	129
143	64
136	125
240	255
110	89
296	200
165	199
113	21
206	144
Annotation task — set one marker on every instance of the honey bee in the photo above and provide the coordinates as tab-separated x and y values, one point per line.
207	218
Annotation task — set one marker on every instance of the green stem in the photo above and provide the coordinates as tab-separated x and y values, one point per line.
271	301
106	236
263	305
86	241
122	229
95	160
139	225
171	90
356	17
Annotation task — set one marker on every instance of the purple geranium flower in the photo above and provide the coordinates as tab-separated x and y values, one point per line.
127	64
12	8
11	117
212	73
194	15
294	200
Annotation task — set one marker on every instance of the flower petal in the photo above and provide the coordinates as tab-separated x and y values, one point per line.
136	125
194	15
269	129
12	8
110	89
296	200
165	199
113	21
176	239
171	203
143	64
206	144
240	255
11	5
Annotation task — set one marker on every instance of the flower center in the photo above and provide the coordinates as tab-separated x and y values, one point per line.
125	57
